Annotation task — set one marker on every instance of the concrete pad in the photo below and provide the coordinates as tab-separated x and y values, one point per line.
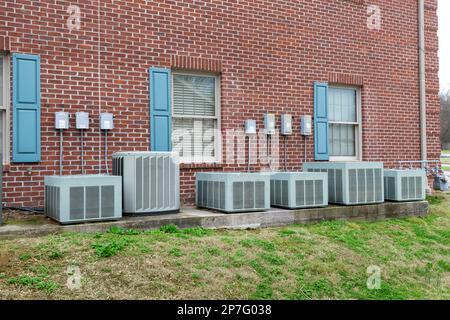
193	217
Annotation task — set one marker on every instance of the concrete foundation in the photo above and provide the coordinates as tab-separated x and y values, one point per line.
191	217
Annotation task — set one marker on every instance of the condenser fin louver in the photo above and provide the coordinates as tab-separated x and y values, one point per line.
351	183
83	198
294	190
405	185
233	192
151	181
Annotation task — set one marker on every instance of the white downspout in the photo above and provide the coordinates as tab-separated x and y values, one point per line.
422	84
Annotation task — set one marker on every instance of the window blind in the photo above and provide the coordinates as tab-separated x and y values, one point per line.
194	117
194	138
342	140
343	118
342	105
194	95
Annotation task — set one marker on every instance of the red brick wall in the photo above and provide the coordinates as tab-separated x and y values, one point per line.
269	52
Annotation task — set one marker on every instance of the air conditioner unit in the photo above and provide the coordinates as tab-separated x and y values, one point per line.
351	183
295	190
151	181
83	198
404	185
233	192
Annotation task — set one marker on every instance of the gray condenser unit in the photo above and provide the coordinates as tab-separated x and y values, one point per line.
233	192
83	198
404	185
151	181
353	182
295	190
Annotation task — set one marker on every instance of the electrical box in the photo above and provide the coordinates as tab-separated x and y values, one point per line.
269	123
306	127
250	126
61	120
106	121
286	124
82	120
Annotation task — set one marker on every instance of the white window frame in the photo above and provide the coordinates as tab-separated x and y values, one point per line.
217	117
358	124
5	105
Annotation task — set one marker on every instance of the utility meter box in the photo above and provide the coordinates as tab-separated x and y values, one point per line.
250	126
61	120
106	121
269	123
286	124
306	126
82	120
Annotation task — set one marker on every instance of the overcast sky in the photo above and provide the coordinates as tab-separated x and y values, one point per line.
444	43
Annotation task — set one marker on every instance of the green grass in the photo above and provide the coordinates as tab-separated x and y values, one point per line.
328	260
38	279
445	161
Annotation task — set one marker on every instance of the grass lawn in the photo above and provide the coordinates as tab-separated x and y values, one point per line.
322	261
445	161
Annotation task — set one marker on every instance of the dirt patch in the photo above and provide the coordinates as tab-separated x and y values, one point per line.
5	258
18	217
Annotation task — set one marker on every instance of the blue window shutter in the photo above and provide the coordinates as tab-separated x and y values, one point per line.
321	121
26	129
160	110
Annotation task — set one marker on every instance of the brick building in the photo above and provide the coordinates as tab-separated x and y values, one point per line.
212	64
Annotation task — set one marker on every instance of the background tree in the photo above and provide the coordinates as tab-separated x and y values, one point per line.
445	119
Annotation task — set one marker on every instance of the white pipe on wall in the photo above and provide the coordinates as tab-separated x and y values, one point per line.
422	83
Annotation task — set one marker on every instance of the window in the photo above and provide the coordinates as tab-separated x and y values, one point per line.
4	107
195	117
344	123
